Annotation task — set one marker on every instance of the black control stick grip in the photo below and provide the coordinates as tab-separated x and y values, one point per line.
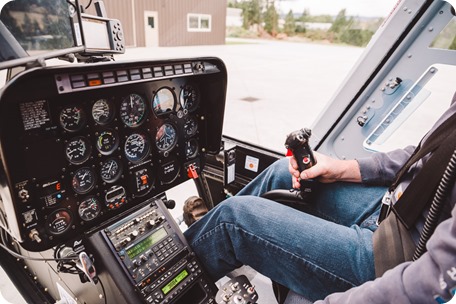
298	143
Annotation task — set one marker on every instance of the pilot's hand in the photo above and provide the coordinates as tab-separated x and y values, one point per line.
326	170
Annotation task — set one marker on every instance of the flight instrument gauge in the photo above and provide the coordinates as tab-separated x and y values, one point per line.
89	208
107	142
166	137
191	148
72	118
59	221
137	147
102	111
78	150
189	98
164	101
111	170
190	127
83	180
133	110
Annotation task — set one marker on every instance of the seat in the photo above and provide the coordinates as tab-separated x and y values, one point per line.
294	298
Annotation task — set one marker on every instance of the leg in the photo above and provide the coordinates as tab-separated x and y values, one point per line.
310	255
276	176
343	203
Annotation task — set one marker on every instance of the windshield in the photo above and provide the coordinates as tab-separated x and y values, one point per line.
38	25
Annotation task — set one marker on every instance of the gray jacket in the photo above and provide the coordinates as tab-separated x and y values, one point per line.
430	279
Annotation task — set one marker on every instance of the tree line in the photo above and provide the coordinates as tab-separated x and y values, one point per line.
262	17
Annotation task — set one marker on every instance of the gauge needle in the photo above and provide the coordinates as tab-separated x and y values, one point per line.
131	101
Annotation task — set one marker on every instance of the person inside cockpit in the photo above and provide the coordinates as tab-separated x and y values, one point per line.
327	250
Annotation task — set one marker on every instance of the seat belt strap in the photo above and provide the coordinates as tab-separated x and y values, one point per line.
440	136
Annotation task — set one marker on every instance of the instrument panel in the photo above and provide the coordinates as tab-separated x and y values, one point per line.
82	145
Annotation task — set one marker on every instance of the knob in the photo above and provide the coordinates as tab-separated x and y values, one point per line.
226	298
137	263
235	286
134	233
238	299
251	289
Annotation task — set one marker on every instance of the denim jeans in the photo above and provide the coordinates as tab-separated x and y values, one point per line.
324	250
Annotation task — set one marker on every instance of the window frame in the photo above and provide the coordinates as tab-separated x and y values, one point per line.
200	18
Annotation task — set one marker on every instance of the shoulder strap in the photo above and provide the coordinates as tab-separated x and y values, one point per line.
422	187
434	140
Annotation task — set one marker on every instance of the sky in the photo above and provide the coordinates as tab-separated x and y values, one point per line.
361	8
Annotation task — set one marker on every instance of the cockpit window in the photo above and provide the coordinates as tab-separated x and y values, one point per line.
39	25
447	37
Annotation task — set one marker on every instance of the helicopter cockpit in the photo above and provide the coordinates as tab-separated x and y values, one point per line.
90	146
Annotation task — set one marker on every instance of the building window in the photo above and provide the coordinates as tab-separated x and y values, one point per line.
199	23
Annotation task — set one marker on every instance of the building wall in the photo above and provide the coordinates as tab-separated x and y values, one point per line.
172	20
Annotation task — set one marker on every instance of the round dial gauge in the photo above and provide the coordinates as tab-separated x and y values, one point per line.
59	221
190	127
166	137
137	147
83	180
89	209
132	110
107	142
72	118
164	101
189	98
102	111
191	148
111	170
78	150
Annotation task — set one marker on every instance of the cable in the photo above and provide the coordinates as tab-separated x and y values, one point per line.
437	205
103	290
23	257
88	5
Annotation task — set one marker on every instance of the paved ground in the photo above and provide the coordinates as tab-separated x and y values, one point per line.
273	75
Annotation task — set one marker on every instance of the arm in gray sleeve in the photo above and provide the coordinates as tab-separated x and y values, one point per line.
430	279
381	168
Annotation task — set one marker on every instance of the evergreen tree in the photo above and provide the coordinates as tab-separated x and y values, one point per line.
251	13
341	23
290	24
271	20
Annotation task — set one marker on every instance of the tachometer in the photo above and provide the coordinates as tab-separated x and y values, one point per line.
164	101
111	170
83	180
89	209
137	147
166	137
132	110
78	150
72	118
102	111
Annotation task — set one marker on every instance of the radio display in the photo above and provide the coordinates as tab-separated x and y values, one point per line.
145	244
174	282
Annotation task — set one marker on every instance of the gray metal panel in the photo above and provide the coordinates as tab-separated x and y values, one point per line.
409	61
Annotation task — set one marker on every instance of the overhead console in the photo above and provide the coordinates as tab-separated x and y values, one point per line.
83	145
